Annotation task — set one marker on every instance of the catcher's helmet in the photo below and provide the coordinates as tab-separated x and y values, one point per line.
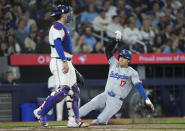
61	9
126	54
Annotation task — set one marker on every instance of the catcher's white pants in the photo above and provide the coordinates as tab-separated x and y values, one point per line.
110	106
68	79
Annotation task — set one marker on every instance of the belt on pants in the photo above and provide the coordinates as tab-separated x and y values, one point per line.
68	59
112	94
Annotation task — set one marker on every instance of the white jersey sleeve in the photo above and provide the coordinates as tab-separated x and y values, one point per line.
135	77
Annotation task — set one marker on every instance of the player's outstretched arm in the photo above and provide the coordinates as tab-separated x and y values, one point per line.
110	48
143	94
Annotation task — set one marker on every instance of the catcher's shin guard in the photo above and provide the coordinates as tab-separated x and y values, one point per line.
72	103
54	98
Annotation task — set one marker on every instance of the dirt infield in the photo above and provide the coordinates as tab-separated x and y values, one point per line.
129	127
162	124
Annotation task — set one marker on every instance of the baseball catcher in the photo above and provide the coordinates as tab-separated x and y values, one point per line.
62	69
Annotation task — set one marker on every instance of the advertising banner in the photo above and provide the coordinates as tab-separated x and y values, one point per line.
99	59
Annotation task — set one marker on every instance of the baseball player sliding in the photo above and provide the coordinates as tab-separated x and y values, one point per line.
62	69
121	79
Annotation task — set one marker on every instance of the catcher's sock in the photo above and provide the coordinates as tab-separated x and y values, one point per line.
53	99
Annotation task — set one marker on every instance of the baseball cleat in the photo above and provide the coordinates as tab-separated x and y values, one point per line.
42	119
75	124
82	124
72	124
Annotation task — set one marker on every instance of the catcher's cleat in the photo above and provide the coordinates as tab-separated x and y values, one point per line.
42	119
75	124
82	124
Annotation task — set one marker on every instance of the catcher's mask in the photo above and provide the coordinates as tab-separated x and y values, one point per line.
126	54
62	9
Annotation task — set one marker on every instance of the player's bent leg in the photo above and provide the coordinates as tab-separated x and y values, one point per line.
54	98
73	108
96	103
112	107
40	113
107	113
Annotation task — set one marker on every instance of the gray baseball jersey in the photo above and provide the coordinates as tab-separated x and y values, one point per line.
120	79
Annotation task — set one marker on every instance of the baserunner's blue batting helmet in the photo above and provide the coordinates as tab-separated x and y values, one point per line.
126	54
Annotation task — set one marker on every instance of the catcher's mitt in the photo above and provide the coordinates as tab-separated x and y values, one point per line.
80	79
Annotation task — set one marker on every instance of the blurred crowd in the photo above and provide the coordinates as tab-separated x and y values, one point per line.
147	26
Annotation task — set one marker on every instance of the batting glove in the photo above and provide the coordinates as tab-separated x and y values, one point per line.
118	35
149	103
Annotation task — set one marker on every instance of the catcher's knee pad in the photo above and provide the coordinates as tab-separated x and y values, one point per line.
73	95
60	94
65	90
76	92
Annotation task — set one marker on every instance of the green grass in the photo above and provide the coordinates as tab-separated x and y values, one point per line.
160	127
27	124
149	121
